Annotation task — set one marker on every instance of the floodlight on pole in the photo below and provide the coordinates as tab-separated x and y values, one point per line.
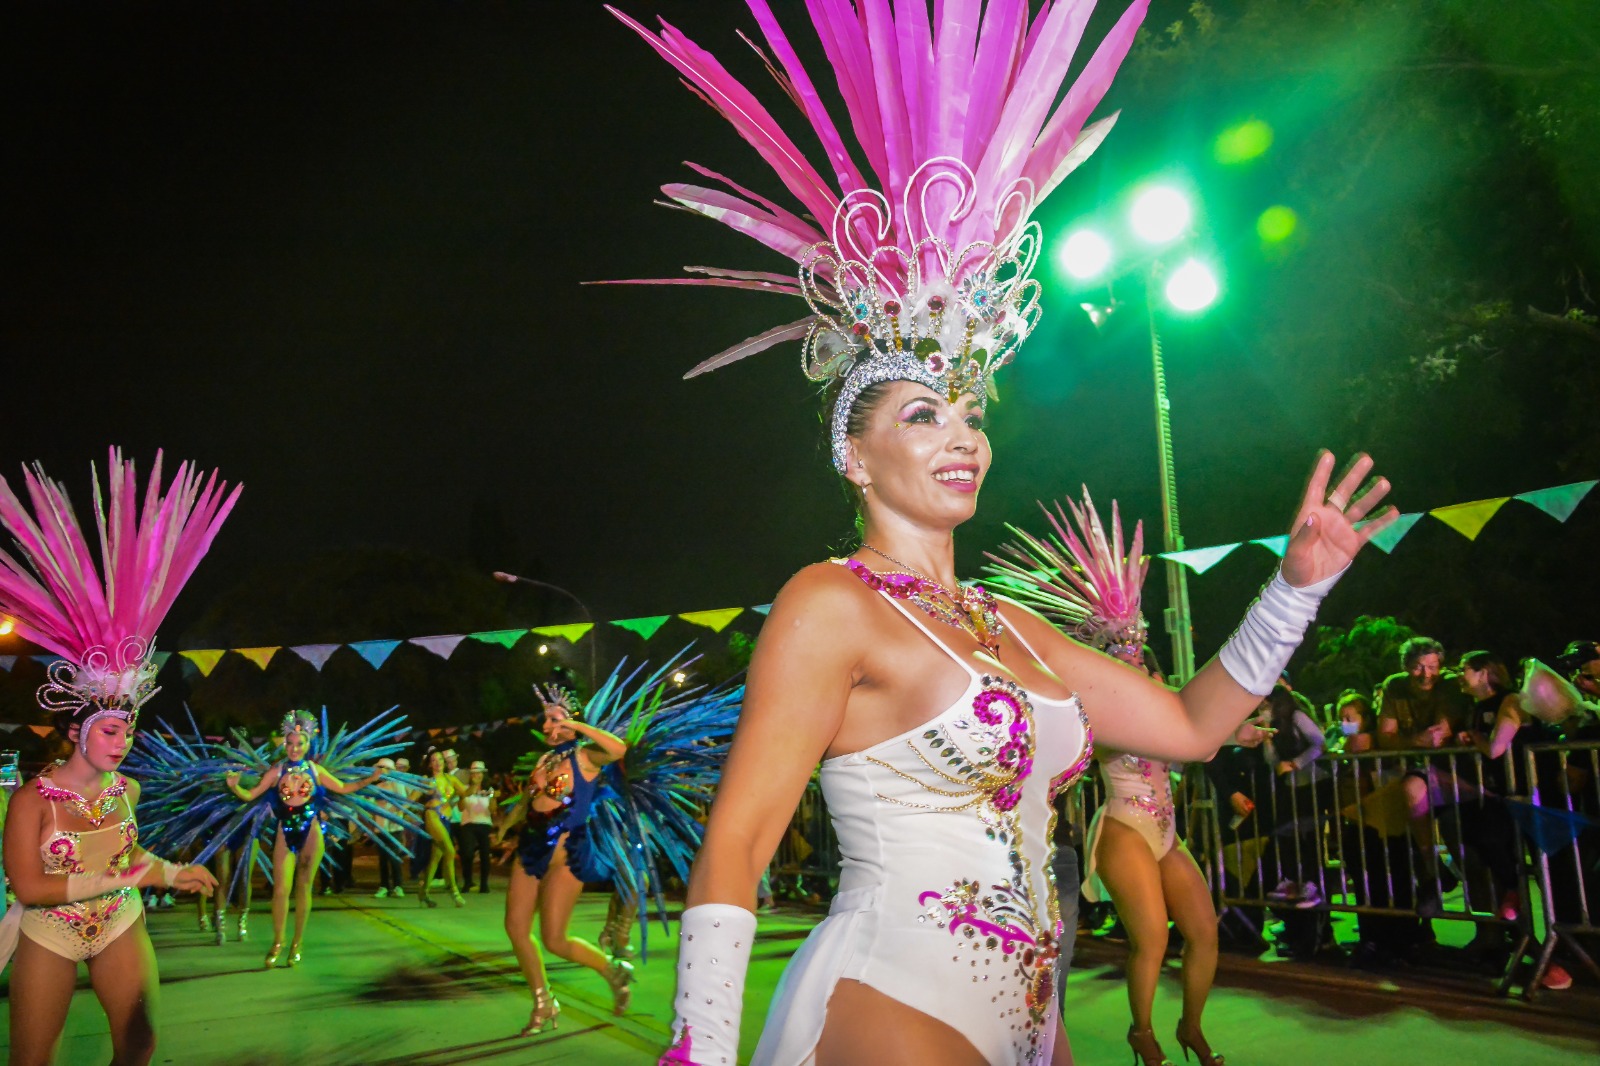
1160	214
1085	254
1192	287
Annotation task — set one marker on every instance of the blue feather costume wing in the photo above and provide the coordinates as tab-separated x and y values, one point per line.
645	821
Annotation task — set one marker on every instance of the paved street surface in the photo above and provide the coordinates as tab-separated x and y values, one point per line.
387	981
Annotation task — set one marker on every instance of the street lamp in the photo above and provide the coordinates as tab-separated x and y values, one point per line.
514	579
1160	215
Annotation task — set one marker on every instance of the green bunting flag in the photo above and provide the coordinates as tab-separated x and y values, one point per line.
645	627
1385	539
503	637
1559	502
1276	545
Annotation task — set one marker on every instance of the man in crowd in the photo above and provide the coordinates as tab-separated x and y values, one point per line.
1419	707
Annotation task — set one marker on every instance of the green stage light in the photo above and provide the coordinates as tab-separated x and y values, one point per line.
1160	214
1277	224
1192	287
1242	143
1085	254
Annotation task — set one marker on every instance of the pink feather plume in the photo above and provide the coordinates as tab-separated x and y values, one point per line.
53	591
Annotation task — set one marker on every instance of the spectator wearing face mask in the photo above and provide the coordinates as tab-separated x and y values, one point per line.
1353	723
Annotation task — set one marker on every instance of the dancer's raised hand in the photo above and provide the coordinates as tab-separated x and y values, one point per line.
1325	536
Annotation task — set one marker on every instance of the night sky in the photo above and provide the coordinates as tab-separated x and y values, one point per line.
335	251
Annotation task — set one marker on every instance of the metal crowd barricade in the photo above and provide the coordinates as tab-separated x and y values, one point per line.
1560	822
806	864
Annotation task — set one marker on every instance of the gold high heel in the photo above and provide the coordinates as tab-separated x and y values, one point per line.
1145	1048
546	1009
1193	1039
294	953
272	955
619	975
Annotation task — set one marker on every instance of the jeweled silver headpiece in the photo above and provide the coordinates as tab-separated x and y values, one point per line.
303	722
111	683
553	695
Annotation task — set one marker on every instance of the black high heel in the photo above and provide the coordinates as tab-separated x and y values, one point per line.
1146	1049
1192	1039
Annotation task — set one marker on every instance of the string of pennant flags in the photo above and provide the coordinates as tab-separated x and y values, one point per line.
444	645
1468	519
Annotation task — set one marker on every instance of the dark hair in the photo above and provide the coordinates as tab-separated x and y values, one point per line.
1283	702
855	425
1499	676
1416	648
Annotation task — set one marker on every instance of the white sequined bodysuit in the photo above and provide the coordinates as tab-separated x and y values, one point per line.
945	901
80	931
1139	796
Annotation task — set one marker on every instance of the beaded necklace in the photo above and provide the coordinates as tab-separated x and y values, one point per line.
971	609
94	813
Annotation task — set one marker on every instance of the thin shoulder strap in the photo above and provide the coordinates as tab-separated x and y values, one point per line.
941	645
1015	632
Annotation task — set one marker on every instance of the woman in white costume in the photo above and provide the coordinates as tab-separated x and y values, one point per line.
944	723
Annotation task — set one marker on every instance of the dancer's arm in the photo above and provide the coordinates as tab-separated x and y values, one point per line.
519	813
1130	712
344	788
266	781
602	748
24	831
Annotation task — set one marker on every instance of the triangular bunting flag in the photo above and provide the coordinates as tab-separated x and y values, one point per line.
1559	502
443	646
763	609
205	659
375	652
571	632
260	656
1200	559
160	658
1276	545
42	730
1468	519
645	627
316	654
503	637
46	660
7	662
715	621
1386	539
9	727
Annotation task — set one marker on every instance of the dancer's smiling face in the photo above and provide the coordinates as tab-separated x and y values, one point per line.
920	455
557	724
295	744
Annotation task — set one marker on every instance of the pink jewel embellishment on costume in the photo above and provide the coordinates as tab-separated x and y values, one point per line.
1016	754
961	905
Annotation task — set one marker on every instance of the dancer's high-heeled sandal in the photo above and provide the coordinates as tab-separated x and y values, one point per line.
546	1009
425	899
619	975
1192	1039
1146	1050
272	955
294	953
220	927
244	926
457	897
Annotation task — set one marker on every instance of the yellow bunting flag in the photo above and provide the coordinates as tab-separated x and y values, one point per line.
206	660
260	656
1468	519
571	633
716	621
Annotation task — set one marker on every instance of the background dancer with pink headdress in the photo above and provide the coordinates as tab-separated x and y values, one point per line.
71	837
1091	585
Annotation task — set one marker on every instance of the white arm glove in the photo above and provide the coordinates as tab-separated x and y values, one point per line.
1272	629
88	886
713	953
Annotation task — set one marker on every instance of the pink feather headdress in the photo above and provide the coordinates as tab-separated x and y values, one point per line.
1088	583
920	272
104	626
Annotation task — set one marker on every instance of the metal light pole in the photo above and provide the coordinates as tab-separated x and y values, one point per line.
1179	624
513	579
